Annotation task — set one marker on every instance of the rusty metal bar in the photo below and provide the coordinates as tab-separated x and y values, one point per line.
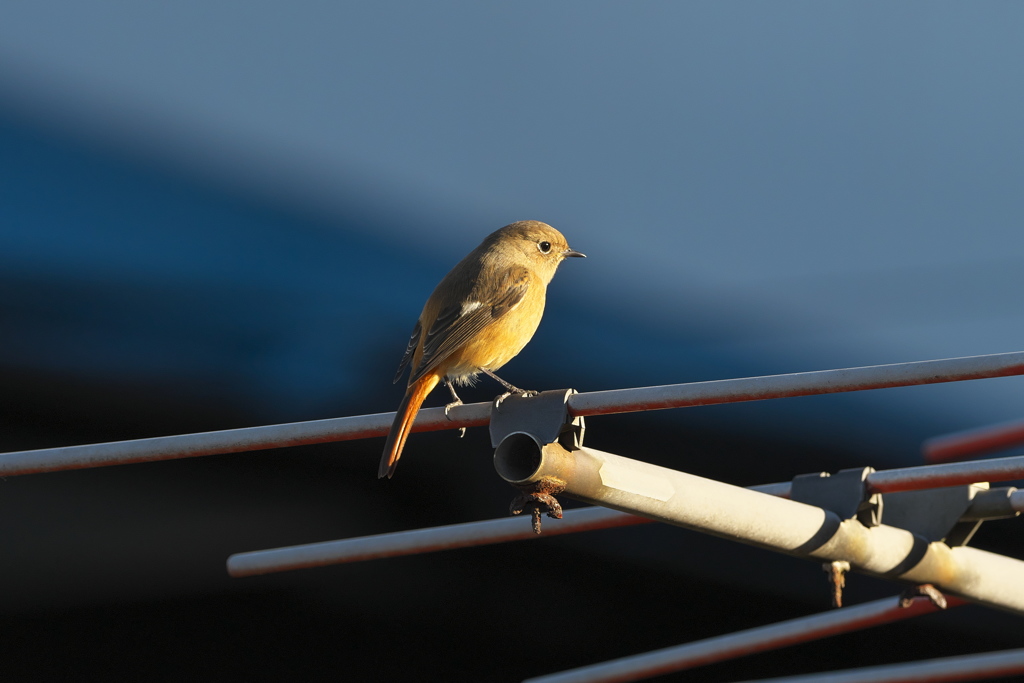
933	476
426	540
797	384
945	670
973	442
421	541
743	643
228	441
762	520
477	414
948	474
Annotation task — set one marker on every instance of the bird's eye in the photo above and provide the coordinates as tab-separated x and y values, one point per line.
544	247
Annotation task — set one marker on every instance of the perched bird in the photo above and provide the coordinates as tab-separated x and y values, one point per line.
479	317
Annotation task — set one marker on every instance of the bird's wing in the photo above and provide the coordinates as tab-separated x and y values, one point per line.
457	324
414	339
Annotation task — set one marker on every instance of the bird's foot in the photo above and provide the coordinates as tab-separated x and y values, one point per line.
448	408
515	391
924	590
510	389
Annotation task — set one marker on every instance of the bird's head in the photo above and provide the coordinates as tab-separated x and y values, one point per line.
536	245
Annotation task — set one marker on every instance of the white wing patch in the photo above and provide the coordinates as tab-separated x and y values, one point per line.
469	307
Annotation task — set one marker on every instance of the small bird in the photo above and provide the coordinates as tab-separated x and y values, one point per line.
478	318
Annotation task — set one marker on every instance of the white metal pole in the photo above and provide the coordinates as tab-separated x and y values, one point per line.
758	519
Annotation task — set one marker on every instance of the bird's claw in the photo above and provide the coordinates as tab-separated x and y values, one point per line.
524	393
448	407
447	413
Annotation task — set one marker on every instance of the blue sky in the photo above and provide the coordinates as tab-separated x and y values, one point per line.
810	185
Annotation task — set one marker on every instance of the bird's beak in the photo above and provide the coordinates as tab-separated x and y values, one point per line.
573	252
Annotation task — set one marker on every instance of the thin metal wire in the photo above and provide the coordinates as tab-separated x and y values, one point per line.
477	414
747	642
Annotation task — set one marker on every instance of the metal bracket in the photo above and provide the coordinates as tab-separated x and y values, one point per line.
844	493
935	514
951	514
533	422
545	417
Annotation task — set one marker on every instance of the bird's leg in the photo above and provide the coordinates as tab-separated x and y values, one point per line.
512	389
456	401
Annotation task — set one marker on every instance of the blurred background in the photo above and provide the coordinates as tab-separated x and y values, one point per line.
219	214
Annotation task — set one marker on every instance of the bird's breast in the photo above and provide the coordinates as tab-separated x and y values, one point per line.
502	340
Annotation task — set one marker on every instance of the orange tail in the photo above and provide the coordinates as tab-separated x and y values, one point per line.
414	396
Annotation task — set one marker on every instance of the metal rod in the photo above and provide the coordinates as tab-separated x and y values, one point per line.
766	521
973	442
946	669
743	643
229	441
477	414
421	541
797	384
425	540
931	476
948	474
